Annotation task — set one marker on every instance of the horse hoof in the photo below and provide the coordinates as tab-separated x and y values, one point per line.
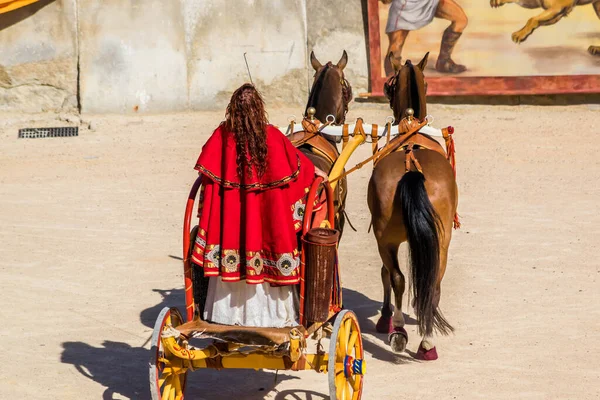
384	325
427	355
398	339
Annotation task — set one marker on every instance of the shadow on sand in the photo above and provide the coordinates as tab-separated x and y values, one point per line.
374	343
123	369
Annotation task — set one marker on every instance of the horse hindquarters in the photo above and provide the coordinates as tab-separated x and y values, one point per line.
422	224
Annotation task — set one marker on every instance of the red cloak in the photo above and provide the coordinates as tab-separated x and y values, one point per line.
248	227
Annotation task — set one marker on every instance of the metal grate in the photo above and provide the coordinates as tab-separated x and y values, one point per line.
34	133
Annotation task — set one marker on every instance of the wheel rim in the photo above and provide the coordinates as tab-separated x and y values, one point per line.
166	381
346	363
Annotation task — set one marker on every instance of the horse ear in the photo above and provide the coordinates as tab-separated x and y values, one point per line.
423	63
343	61
396	62
314	62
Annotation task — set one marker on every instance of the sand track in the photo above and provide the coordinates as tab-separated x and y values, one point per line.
88	225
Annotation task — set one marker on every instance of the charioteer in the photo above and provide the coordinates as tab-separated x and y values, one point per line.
251	209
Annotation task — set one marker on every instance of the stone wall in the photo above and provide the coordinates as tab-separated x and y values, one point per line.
38	57
338	25
271	33
165	55
133	56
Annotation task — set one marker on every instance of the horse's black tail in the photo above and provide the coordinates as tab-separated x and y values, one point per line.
422	226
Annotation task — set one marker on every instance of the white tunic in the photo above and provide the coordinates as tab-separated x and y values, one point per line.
410	15
261	305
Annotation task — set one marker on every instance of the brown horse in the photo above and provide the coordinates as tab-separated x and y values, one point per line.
413	206
329	95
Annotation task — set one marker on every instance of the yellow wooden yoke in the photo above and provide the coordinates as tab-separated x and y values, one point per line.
349	146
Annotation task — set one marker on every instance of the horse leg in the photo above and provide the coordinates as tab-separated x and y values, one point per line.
427	350
398	336
384	324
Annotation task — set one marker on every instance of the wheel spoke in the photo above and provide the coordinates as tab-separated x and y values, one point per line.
178	393
172	391
347	327
167	387
348	391
341	341
355	394
357	382
352	341
340	384
352	381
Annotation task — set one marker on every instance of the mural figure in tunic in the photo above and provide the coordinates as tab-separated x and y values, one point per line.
409	15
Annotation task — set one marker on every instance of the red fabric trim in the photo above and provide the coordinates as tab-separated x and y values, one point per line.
218	161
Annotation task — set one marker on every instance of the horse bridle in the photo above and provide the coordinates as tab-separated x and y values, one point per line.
346	90
389	87
346	96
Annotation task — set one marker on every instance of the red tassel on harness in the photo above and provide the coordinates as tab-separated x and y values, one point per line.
450	149
451	157
456	221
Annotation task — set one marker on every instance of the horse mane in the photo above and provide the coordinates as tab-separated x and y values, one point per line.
393	88
346	96
315	91
414	92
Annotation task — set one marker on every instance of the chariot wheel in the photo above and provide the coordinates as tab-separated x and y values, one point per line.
164	383
346	365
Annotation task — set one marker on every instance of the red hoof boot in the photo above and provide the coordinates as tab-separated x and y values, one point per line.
427	355
385	325
398	339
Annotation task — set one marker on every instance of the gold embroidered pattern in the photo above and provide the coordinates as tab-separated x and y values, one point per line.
256	263
256	185
231	261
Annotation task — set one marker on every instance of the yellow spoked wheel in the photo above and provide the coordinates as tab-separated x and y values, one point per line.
167	378
346	363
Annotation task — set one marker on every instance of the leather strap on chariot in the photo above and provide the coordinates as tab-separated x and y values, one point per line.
389	148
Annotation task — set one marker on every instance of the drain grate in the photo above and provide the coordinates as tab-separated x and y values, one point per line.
34	133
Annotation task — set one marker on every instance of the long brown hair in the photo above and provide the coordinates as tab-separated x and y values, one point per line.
246	118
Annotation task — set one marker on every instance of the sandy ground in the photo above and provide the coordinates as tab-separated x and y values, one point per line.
90	226
486	47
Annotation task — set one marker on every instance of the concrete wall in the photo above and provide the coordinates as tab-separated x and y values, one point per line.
272	33
38	58
167	55
338	25
133	54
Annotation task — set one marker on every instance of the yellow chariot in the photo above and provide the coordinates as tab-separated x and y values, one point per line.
328	339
